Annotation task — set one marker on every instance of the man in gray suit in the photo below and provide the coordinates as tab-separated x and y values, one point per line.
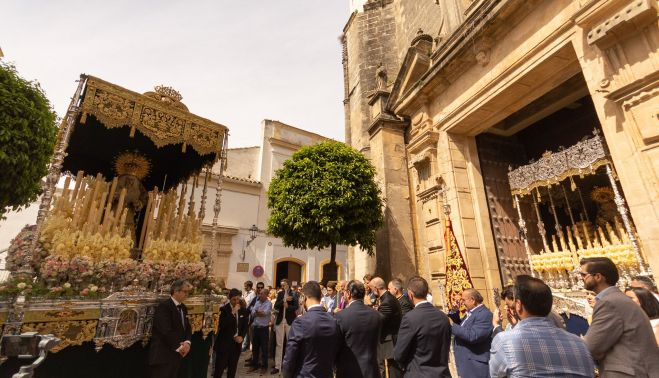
620	337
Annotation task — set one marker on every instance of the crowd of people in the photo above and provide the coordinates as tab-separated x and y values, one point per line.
374	329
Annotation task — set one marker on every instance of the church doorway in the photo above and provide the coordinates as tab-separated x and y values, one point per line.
573	210
292	269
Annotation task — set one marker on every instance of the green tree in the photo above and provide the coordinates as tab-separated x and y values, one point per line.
27	136
323	196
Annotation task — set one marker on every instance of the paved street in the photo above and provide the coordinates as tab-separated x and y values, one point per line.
242	370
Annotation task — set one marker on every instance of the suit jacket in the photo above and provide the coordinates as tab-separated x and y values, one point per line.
473	337
360	327
168	333
405	304
313	344
290	311
228	326
424	341
390	309
620	338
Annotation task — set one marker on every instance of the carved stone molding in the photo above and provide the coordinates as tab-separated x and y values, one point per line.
630	19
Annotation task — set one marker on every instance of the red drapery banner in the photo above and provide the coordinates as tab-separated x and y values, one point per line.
457	274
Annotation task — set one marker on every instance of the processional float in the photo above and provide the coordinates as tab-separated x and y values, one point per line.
611	234
135	170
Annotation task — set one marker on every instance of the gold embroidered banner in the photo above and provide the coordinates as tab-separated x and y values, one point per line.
159	115
457	274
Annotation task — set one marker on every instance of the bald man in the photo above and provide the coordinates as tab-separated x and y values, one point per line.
472	336
389	307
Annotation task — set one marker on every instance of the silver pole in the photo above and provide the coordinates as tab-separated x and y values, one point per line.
522	226
622	209
541	224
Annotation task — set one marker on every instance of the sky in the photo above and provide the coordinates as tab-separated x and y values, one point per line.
235	62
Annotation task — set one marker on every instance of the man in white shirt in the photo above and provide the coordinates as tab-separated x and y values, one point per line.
329	302
248	295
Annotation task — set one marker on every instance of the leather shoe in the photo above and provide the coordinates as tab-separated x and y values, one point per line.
274	371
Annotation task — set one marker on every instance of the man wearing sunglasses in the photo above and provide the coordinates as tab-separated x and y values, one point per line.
620	336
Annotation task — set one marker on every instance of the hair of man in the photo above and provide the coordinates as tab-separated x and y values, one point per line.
249	284
418	286
177	286
508	292
534	295
378	283
368	277
331	285
356	289
603	266
397	284
475	295
311	289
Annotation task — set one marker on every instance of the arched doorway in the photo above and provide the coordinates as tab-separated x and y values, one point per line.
290	268
339	270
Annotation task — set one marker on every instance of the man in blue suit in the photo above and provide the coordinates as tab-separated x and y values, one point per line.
472	336
313	341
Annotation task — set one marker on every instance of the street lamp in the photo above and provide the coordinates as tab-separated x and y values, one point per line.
253	232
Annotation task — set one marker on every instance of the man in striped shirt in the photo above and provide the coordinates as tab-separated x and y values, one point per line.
536	347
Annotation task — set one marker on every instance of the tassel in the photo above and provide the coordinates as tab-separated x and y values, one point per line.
573	186
538	196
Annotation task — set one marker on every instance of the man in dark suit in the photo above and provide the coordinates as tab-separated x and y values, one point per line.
286	305
620	337
389	308
360	327
314	339
231	331
395	287
424	338
472	336
171	333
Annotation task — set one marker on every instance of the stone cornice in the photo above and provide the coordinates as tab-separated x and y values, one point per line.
388	122
425	140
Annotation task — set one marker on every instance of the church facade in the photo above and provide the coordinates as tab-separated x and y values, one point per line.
452	100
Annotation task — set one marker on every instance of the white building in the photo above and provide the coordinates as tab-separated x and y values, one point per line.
237	258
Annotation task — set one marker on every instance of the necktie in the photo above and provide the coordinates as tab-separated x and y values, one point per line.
180	310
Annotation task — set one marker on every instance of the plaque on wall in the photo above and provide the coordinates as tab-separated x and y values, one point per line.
242	267
258	271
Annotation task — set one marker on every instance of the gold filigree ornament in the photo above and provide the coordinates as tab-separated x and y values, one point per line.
132	163
70	332
158	115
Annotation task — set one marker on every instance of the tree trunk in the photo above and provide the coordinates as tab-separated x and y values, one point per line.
330	271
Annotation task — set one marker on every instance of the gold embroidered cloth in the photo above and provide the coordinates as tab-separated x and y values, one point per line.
457	274
163	121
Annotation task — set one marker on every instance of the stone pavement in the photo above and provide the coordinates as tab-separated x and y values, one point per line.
242	370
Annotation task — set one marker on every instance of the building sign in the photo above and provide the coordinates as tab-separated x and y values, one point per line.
242	267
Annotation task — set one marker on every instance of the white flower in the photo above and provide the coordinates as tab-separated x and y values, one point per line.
93	289
67	285
21	285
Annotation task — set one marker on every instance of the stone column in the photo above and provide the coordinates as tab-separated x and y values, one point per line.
619	55
395	256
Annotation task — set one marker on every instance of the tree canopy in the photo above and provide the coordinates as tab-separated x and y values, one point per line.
325	195
27	136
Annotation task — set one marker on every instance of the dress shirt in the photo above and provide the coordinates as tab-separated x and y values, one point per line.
468	314
248	296
177	304
537	348
421	303
266	308
329	303
312	306
601	293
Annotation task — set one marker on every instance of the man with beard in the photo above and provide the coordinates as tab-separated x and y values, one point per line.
396	289
620	336
389	308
